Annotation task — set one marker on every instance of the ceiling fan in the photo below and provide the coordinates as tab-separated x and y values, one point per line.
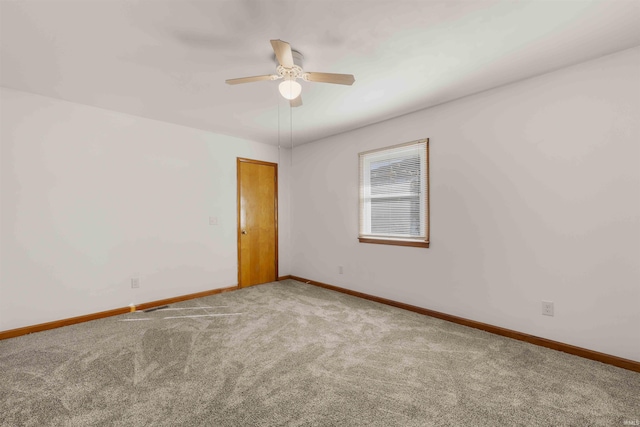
290	68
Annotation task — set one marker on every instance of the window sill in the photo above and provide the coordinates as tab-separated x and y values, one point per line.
413	243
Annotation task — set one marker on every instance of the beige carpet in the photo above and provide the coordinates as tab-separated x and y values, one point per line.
291	354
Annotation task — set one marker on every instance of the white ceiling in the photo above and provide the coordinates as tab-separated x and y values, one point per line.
168	59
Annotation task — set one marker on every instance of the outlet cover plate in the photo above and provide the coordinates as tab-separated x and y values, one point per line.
547	308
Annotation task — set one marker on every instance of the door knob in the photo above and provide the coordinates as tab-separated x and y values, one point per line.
244	231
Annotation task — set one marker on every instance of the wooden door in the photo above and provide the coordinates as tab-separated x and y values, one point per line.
257	222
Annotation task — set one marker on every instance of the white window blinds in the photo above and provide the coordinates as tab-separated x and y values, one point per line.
394	193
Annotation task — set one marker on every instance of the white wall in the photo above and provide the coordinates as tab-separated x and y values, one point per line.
91	197
535	195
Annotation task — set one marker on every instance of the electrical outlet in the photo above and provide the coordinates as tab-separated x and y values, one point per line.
135	283
340	269
547	308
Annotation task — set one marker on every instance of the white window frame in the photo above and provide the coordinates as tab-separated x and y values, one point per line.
365	234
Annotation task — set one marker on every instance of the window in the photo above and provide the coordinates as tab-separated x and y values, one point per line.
394	195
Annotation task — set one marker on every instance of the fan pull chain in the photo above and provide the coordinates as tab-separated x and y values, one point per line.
278	101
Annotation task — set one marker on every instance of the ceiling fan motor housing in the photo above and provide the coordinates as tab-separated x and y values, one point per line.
294	72
297	57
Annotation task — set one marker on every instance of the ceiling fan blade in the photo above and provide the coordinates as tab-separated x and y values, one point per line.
341	79
283	53
250	79
296	102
